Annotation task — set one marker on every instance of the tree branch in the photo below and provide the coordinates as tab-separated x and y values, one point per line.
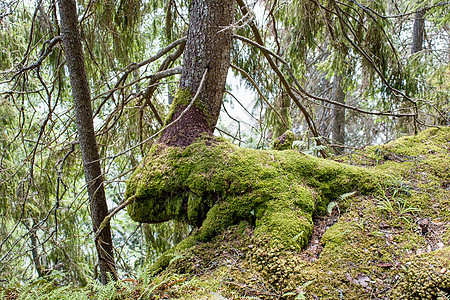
152	87
113	212
301	90
44	53
136	66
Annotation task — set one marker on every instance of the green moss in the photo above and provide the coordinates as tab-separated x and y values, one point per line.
214	184
272	197
426	276
431	141
182	97
287	220
284	142
180	183
336	235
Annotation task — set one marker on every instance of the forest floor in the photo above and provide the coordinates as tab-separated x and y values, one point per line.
390	243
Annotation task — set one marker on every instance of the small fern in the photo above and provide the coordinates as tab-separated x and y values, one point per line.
104	292
330	207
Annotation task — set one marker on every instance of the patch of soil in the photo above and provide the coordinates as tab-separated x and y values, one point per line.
432	231
321	224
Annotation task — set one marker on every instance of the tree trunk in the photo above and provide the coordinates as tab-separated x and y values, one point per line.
208	48
338	123
86	135
418	31
283	105
34	248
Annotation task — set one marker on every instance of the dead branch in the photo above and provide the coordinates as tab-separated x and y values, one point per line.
108	218
230	135
152	87
132	67
158	75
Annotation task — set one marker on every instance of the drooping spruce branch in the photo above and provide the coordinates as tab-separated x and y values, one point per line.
309	121
302	91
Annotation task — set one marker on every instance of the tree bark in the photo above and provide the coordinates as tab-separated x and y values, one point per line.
338	120
86	135
34	248
208	48
283	104
418	31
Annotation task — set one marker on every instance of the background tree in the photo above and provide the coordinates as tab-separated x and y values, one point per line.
86	138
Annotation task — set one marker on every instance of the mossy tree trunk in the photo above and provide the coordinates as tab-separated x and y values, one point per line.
86	136
207	49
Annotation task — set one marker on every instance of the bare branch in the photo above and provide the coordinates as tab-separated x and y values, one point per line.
230	135
152	87
136	66
108	218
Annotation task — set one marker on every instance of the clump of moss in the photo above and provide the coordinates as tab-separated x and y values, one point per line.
426	276
284	141
182	97
433	142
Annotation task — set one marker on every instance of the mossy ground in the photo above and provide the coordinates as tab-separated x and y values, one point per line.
390	240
